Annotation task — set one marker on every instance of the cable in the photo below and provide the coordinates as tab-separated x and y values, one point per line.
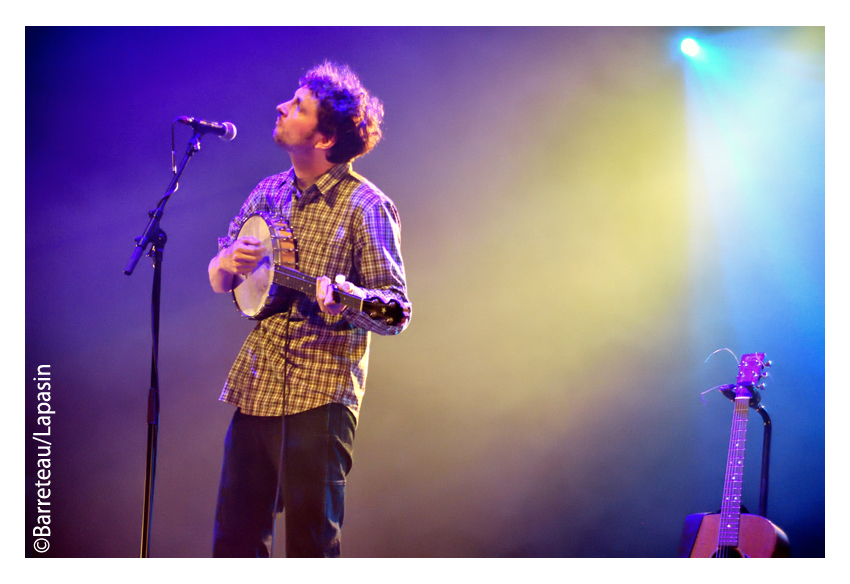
282	427
293	299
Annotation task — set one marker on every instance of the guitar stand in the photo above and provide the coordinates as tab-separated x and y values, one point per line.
765	460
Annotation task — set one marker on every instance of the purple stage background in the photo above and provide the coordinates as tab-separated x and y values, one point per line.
587	215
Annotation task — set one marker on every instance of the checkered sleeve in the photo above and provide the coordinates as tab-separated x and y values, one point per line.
260	199
377	255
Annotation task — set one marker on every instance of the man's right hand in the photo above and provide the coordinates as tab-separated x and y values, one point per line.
242	257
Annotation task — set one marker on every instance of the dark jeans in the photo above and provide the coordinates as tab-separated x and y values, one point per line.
316	460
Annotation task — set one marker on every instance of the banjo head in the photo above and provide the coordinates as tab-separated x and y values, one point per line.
254	294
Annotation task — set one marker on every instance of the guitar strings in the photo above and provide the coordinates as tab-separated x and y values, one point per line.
723	349
722	549
731	504
717	387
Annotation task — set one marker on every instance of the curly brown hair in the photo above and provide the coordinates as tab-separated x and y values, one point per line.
347	111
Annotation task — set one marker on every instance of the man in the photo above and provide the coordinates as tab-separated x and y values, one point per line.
309	362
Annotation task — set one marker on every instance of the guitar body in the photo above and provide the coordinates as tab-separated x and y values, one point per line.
757	538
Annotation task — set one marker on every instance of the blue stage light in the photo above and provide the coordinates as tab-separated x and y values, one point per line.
690	47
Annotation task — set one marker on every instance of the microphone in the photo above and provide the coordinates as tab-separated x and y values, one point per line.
225	130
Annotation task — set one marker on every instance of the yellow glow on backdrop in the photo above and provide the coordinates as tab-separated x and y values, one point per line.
553	272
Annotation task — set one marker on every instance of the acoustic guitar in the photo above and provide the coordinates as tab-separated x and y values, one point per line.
731	533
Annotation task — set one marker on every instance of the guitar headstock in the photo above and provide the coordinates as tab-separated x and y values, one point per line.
391	313
750	372
750	369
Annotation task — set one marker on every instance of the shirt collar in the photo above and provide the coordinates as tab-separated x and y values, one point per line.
325	182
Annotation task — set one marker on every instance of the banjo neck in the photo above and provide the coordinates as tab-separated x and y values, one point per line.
295	280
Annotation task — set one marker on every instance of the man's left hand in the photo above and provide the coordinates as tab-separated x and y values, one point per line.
325	296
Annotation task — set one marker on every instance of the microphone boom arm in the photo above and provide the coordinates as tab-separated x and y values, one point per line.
155	215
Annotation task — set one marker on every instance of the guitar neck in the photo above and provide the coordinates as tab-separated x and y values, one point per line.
730	509
295	280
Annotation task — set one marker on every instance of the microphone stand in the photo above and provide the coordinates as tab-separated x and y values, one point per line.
155	236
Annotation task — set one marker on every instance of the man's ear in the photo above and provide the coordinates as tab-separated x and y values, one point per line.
325	142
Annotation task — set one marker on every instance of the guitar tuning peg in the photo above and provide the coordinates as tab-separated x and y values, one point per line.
768	363
760	386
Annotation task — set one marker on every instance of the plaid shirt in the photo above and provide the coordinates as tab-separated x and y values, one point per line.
342	225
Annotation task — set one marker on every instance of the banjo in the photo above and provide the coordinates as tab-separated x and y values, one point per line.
269	288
